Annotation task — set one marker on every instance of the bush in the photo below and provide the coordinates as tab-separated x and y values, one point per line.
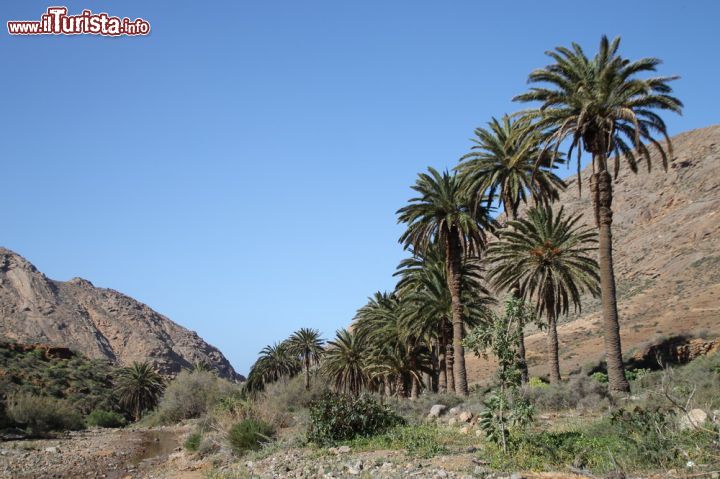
41	414
191	395
600	377
337	418
579	393
192	443
249	435
101	418
536	382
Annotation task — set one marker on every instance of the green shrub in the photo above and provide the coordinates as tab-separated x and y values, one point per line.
337	418
600	377
249	435
192	443
536	382
101	418
41	414
191	395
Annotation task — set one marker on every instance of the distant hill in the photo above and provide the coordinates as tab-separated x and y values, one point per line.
98	322
666	238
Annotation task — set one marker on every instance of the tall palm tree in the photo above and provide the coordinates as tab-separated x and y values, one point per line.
443	215
139	388
506	164
345	361
308	345
275	362
601	105
548	256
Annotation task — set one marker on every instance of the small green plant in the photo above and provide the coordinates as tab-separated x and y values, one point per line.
249	435
192	443
338	418
101	418
537	383
506	408
600	377
636	374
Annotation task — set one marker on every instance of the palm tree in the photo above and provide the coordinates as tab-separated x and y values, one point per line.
547	256
344	362
139	388
275	362
503	165
428	312
443	215
396	355
602	106
307	344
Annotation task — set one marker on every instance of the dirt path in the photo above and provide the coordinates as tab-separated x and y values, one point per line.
102	453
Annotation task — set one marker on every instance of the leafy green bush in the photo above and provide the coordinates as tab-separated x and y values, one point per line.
192	443
191	395
536	382
41	414
249	435
600	377
101	418
337	418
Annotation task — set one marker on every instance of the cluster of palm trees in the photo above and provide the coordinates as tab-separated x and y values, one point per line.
462	258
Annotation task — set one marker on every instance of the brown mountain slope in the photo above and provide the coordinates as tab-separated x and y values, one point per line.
97	322
666	235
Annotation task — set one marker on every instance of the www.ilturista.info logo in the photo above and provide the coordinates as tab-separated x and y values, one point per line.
57	22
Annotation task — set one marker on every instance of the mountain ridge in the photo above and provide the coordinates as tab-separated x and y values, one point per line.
97	322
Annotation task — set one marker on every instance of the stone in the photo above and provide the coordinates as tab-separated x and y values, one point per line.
452	421
52	449
437	410
465	416
693	419
455	411
516	475
343	449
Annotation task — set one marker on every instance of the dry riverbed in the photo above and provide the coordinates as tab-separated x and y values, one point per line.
100	453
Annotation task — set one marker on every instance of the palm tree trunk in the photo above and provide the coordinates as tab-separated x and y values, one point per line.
450	365
427	381
307	371
601	188
387	387
553	350
454	263
522	363
442	365
414	388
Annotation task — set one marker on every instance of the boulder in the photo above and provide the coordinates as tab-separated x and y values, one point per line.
437	410
693	419
465	416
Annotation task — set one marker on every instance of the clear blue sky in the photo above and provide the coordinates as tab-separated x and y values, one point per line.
239	169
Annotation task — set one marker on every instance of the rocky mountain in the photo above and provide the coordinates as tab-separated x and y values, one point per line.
666	247
98	322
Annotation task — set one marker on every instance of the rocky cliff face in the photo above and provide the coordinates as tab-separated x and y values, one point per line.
98	322
666	247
